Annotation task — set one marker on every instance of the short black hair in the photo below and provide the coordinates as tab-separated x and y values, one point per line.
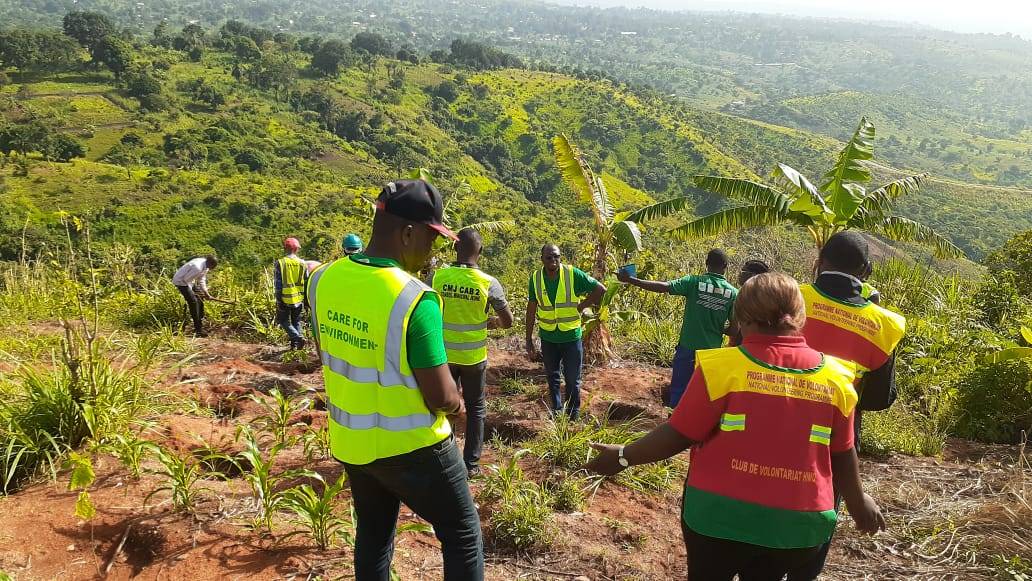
549	245
755	267
716	259
469	239
211	261
846	251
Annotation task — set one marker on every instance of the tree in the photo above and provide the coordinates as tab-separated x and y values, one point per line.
61	147
115	53
88	28
1013	261
139	84
246	49
372	43
331	56
610	230
841	202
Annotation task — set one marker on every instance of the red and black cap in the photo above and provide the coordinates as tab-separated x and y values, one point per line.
416	201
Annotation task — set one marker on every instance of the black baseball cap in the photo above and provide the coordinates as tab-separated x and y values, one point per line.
416	201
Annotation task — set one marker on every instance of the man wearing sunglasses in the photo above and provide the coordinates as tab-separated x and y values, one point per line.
555	304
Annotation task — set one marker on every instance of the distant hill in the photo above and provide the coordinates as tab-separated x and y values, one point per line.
232	149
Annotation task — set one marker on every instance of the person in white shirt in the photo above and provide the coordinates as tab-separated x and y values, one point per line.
192	281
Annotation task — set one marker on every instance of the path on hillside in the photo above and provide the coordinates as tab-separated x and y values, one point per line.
938	510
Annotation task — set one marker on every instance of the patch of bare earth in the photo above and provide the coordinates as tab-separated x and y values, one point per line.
946	516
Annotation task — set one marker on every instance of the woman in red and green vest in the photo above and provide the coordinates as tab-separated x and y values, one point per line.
770	424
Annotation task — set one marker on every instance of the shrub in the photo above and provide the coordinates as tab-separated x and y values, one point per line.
995	402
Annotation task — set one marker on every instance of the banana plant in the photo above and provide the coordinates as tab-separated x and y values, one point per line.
612	230
840	203
619	229
1013	352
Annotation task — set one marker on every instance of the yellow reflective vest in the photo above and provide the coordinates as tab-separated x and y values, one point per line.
361	315
873	331
292	277
563	315
464	291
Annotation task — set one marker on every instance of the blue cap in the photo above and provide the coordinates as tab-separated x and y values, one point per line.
352	242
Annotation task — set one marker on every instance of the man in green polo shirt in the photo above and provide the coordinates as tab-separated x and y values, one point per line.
709	299
558	320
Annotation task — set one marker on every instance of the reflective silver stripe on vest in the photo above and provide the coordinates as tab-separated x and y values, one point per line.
395	324
542	293
566	320
464	327
312	282
468	346
374	420
387	378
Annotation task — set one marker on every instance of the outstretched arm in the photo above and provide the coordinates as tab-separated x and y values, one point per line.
661	443
654	286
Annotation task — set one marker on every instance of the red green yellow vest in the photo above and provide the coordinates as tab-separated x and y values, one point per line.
292	277
464	291
733	369
563	314
882	327
360	316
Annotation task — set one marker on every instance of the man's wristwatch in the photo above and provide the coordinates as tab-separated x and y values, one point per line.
620	458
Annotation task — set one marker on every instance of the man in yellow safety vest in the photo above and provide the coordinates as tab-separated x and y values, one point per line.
389	389
289	276
468	294
554	293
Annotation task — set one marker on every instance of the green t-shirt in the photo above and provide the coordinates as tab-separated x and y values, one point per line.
709	299
583	284
425	338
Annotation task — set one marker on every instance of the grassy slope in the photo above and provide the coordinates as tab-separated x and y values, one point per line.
190	211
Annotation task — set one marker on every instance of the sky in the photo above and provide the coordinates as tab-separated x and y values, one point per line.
998	16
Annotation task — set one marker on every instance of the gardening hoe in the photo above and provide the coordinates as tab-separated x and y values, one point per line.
223	301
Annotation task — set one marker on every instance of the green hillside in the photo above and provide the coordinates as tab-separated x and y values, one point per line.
226	149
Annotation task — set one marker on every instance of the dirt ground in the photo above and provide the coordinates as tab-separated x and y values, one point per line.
944	514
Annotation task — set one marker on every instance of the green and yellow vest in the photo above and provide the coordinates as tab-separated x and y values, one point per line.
361	315
464	291
563	315
292	276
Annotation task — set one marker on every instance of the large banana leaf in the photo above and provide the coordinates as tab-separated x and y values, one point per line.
878	202
805	197
627	235
1009	354
728	220
844	195
579	177
491	227
744	190
603	209
656	211
1026	334
907	230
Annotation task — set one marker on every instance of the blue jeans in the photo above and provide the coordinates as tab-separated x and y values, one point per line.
563	361
681	374
290	319
432	482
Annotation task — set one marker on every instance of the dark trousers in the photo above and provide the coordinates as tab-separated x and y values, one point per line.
680	374
194	306
471	380
713	559
289	318
432	482
563	362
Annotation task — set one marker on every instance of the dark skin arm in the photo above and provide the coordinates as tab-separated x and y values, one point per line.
845	468
653	286
503	320
661	443
594	299
439	390
531	320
